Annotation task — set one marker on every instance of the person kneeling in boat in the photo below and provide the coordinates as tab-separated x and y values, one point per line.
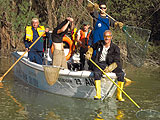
59	58
31	35
108	58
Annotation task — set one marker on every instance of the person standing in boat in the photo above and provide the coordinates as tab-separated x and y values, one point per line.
59	58
108	58
31	35
82	39
101	22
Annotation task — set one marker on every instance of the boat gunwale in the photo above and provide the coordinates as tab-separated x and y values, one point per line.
36	66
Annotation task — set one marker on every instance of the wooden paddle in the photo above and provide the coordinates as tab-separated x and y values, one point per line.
1	78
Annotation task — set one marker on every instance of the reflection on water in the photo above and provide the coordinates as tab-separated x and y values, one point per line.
36	104
19	101
22	102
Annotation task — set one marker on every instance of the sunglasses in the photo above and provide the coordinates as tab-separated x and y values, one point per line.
102	7
109	37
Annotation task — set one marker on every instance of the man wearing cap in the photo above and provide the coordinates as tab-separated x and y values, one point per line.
82	39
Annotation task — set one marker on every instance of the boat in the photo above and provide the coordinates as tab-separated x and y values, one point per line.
78	84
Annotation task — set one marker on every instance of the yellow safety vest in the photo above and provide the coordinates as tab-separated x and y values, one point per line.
74	34
29	32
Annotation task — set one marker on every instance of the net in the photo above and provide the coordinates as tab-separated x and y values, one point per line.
148	115
51	74
137	44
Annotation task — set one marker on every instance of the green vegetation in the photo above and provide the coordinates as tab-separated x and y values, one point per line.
16	14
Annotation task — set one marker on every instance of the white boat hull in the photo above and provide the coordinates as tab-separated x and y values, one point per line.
79	84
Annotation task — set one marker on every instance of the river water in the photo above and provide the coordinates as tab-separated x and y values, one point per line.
19	101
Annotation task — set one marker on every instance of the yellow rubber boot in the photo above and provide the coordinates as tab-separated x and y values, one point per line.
98	90
120	115
98	117
119	92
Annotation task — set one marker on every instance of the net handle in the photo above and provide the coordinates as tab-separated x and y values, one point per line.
116	85
103	11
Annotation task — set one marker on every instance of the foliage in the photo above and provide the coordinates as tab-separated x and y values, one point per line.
16	14
23	18
140	13
153	52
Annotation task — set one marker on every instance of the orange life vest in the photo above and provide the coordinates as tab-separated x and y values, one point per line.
68	41
84	39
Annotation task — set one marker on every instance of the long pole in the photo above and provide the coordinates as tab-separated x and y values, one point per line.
127	80
1	78
116	84
102	11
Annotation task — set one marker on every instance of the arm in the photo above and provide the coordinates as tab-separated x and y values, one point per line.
116	61
117	56
95	45
26	43
67	22
64	27
72	26
78	36
112	22
95	15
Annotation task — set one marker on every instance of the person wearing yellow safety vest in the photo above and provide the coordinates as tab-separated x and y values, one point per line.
31	34
82	39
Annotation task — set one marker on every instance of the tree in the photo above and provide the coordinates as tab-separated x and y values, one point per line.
16	14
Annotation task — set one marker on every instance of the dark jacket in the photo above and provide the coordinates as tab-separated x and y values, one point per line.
112	56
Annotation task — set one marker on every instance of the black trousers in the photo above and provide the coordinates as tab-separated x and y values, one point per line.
98	74
82	57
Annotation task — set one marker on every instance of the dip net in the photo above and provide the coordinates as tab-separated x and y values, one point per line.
137	44
148	115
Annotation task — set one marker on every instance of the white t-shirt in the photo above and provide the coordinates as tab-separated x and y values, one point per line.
104	53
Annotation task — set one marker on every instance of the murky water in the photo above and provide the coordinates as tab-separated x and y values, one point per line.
19	101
